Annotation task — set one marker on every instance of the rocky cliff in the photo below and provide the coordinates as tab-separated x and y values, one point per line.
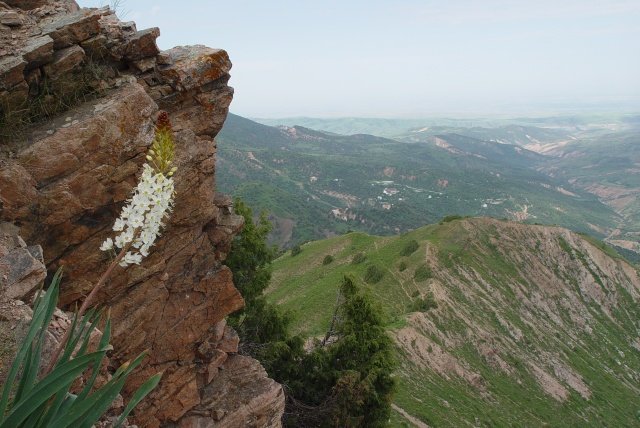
79	93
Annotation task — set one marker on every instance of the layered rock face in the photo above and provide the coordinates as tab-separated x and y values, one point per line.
64	180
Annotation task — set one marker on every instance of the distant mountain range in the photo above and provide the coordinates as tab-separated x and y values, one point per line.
317	183
393	128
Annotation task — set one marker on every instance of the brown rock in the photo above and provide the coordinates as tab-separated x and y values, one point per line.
22	268
241	395
75	177
10	18
217	360
144	65
223	338
183	395
142	45
38	51
194	66
17	191
64	61
26	4
164	58
70	29
96	47
218	331
33	79
14	323
11	69
229	342
217	415
15	99
15	317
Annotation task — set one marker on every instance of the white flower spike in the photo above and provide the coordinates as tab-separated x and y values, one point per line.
141	218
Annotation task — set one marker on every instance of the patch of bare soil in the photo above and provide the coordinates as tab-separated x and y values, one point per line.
426	353
548	148
350	200
388	171
415	421
521	215
548	383
617	197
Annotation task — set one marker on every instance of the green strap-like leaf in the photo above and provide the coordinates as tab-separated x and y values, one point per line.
63	395
73	327
87	335
51	384
102	404
104	342
81	411
26	373
61	405
140	393
78	332
54	408
86	412
31	369
68	402
38	321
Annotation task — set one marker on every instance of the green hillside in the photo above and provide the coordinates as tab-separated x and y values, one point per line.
534	325
317	184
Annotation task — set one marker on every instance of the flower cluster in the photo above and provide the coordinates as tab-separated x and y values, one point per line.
141	218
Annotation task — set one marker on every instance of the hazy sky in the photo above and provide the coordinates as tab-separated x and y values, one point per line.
410	57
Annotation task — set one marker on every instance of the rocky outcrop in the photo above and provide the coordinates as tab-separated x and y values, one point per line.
22	270
22	267
65	181
235	398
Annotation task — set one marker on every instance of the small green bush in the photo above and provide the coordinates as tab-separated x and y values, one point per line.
450	218
373	275
410	248
327	259
358	258
402	266
296	250
424	305
422	273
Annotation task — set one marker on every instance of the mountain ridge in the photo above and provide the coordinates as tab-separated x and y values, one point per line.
536	319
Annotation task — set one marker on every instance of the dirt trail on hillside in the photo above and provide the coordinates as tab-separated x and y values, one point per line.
407	416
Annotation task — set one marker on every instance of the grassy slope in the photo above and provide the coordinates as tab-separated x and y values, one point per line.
510	296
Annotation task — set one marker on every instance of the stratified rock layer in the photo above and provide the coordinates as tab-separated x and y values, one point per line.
65	184
22	268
